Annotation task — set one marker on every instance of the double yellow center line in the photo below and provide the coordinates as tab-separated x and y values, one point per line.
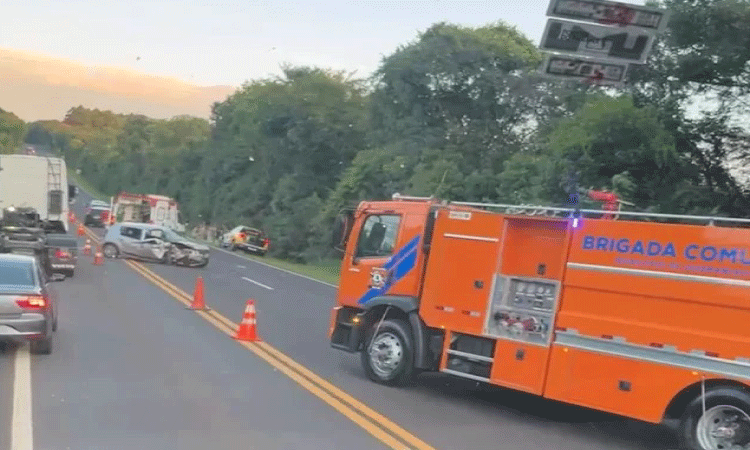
374	423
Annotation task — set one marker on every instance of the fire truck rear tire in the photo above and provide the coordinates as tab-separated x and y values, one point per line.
721	403
396	346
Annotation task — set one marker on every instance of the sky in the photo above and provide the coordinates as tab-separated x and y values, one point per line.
229	42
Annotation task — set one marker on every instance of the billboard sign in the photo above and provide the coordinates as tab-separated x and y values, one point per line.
628	44
606	12
602	73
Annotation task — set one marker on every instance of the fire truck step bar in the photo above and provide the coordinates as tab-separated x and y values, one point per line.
466	375
470	356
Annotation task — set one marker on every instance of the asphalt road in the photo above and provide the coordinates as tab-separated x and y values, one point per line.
445	412
132	369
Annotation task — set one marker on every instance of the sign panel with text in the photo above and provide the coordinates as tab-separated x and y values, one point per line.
614	44
571	68
606	12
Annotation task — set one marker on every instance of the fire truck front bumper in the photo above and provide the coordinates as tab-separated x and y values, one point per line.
346	328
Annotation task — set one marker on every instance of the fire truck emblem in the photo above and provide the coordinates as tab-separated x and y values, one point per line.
377	277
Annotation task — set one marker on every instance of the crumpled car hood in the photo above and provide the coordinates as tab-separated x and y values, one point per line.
193	245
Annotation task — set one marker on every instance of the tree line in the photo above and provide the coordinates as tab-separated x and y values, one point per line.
459	113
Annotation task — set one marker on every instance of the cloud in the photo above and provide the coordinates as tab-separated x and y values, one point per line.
40	87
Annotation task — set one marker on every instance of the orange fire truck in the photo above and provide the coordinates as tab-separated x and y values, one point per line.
644	316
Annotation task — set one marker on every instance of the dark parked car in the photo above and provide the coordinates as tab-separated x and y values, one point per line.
28	302
96	216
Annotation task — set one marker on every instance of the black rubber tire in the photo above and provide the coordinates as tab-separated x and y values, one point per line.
42	346
70	273
404	373
117	250
202	265
686	433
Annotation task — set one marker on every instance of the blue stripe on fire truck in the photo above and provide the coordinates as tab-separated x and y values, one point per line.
398	266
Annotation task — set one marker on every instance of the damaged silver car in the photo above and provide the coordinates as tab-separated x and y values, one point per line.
153	243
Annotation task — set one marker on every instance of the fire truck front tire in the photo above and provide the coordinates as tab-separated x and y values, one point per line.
725	424
388	355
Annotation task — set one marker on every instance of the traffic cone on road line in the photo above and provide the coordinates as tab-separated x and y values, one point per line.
199	303
80	229
247	329
99	257
87	248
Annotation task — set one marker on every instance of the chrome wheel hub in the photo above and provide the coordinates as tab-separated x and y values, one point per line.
724	427
386	353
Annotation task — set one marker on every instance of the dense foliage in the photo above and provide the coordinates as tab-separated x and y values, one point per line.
12	130
458	113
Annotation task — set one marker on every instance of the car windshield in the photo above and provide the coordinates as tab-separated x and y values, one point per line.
16	273
172	236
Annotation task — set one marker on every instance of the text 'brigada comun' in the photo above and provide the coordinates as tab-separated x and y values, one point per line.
706	253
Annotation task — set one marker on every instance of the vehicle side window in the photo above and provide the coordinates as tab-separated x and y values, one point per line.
157	234
378	236
131	232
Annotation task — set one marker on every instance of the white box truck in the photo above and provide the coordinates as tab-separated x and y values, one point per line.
34	197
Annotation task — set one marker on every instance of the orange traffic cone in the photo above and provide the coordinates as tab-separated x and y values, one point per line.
72	217
198	303
80	229
87	248
99	257
246	330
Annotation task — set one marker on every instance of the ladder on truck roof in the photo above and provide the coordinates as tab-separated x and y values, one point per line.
54	186
551	211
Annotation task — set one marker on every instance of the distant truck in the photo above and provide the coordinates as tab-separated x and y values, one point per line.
146	208
34	198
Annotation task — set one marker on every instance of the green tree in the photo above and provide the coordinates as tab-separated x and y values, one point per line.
12	132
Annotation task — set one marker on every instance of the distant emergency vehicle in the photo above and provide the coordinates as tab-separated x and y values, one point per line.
639	318
146	208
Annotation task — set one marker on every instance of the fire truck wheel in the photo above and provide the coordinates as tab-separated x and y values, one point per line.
388	356
725	424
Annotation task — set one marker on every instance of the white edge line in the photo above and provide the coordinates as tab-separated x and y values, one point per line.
259	284
272	267
22	432
260	262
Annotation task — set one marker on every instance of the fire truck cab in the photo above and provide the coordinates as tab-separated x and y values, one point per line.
637	317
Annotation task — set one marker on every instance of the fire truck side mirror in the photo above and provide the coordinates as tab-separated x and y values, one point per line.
72	191
342	226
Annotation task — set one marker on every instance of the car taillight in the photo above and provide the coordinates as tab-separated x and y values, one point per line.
61	254
33	302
